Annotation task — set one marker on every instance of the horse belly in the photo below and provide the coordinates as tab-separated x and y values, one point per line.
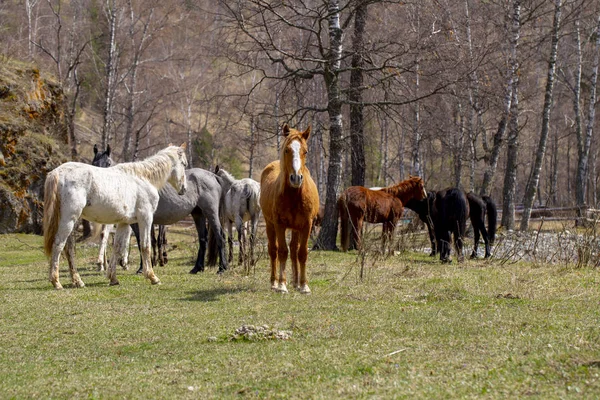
111	209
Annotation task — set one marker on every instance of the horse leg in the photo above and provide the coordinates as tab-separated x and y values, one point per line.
147	270
356	225
200	223
154	245
486	239
119	247
272	247
475	241
124	260
302	257
230	241
70	253
239	226
254	229
65	228
101	262
432	239
459	234
294	259
162	245
282	255
136	231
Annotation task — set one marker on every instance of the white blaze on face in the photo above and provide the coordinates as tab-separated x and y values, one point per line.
296	161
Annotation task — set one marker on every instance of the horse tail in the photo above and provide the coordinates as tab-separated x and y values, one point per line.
492	214
51	211
344	223
212	248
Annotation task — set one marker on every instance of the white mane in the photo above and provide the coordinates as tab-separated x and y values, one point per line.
155	169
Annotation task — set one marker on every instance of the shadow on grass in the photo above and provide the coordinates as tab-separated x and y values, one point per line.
210	294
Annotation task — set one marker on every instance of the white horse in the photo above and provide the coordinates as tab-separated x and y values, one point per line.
124	194
241	205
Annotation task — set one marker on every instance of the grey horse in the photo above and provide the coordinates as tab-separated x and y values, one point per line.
202	199
241	205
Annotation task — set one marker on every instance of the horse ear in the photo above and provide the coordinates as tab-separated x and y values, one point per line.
183	145
108	150
285	130
217	169
306	133
95	149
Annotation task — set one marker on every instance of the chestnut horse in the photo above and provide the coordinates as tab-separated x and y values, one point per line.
289	200
358	204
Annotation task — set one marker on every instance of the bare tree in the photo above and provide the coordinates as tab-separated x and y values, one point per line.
584	142
534	177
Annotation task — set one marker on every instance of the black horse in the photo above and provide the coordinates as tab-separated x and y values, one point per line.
424	209
478	208
450	211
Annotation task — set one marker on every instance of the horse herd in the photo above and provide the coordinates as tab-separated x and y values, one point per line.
160	190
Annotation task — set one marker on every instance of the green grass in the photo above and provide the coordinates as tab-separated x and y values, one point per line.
412	328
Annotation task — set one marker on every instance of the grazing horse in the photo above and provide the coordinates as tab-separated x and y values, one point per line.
202	200
358	204
241	206
451	210
479	207
289	200
123	194
424	209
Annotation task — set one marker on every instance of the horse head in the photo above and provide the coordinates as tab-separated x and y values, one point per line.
103	159
177	178
293	155
419	187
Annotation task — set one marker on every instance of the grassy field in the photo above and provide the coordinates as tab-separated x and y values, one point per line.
411	328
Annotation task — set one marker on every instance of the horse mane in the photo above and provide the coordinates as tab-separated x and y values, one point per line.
403	187
154	169
226	176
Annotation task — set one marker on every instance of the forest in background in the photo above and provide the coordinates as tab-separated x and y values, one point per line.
496	97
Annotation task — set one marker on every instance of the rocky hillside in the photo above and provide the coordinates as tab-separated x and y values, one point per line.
33	141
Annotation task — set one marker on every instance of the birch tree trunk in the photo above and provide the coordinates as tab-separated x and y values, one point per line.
534	177
328	233
512	148
585	142
110	73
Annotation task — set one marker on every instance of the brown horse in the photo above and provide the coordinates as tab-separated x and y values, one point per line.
289	200
358	204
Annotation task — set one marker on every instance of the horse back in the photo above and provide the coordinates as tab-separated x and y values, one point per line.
374	206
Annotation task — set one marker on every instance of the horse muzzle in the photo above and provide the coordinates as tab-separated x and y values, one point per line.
182	190
296	180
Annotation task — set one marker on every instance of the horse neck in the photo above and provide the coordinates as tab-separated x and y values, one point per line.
228	179
156	169
404	191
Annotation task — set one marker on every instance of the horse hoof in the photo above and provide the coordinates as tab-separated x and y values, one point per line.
58	286
282	288
195	270
79	284
157	282
304	289
115	283
139	271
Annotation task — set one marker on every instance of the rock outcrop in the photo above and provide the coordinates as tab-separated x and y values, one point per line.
33	141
